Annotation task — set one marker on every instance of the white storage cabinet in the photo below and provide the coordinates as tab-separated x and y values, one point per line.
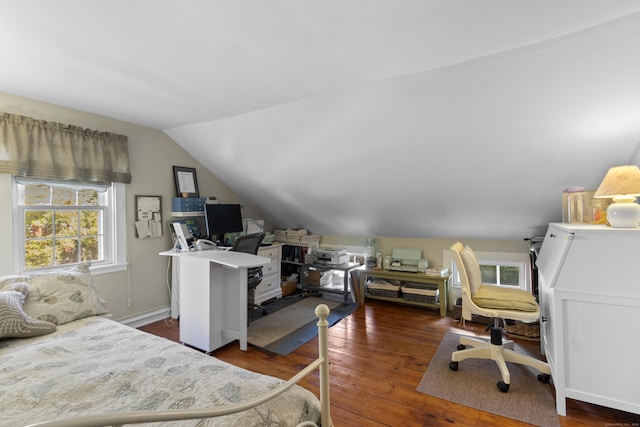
589	287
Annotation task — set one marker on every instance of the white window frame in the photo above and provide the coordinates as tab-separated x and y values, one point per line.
115	236
511	259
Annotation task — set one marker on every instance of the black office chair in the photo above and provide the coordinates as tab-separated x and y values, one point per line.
250	244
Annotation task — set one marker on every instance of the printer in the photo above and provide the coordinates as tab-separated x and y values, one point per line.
405	260
333	256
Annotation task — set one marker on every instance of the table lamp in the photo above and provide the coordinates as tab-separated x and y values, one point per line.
622	184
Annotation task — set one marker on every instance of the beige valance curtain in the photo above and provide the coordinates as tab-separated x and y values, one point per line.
38	149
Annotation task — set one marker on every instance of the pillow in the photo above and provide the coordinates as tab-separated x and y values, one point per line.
14	322
491	296
473	269
60	296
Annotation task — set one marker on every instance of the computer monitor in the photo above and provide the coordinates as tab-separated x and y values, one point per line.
221	219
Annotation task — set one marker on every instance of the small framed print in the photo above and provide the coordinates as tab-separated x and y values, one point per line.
186	181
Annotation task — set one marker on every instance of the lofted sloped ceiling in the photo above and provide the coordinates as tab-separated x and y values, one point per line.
403	118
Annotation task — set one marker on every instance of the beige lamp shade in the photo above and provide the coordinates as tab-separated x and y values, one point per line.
619	181
622	183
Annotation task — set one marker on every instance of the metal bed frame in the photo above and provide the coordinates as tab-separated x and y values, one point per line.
126	418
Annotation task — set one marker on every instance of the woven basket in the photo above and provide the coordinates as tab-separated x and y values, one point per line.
383	292
524	331
412	293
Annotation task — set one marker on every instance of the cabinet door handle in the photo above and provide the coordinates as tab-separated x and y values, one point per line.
544	319
552	235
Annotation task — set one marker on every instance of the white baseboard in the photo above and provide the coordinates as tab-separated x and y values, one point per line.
146	318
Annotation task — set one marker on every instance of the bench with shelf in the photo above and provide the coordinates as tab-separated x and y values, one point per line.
415	280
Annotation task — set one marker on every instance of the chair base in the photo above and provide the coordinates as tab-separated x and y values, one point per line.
499	352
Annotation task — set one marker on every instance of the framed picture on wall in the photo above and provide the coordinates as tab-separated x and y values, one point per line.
186	181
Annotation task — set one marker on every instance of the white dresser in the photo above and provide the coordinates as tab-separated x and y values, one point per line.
589	287
269	288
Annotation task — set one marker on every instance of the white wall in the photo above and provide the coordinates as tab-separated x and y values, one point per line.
142	287
482	148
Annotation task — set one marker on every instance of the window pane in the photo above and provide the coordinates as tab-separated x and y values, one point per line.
38	224
66	251
63	196
90	249
66	223
37	194
89	223
509	276
489	274
88	198
39	253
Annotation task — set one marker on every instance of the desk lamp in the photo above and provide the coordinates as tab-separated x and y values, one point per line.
622	184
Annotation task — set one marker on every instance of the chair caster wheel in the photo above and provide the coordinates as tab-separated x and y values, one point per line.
503	387
544	378
461	347
453	366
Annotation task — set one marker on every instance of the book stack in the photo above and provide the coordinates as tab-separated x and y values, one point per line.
297	237
310	238
294	253
294	235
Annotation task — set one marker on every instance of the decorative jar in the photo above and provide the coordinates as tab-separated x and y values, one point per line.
573	205
370	251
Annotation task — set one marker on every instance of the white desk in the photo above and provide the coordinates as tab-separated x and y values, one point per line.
213	297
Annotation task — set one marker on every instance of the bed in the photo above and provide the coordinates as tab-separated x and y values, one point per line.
83	369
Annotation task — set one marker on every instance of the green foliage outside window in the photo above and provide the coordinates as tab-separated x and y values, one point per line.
62	225
509	275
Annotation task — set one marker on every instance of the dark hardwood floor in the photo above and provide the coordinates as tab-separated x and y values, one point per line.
378	356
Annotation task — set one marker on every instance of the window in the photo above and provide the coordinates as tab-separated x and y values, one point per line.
503	274
58	225
499	268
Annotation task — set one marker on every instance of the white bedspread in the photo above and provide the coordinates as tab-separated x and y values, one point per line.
96	365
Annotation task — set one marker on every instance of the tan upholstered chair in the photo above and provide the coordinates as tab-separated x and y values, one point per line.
498	303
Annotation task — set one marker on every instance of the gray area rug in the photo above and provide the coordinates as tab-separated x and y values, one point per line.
474	385
293	325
